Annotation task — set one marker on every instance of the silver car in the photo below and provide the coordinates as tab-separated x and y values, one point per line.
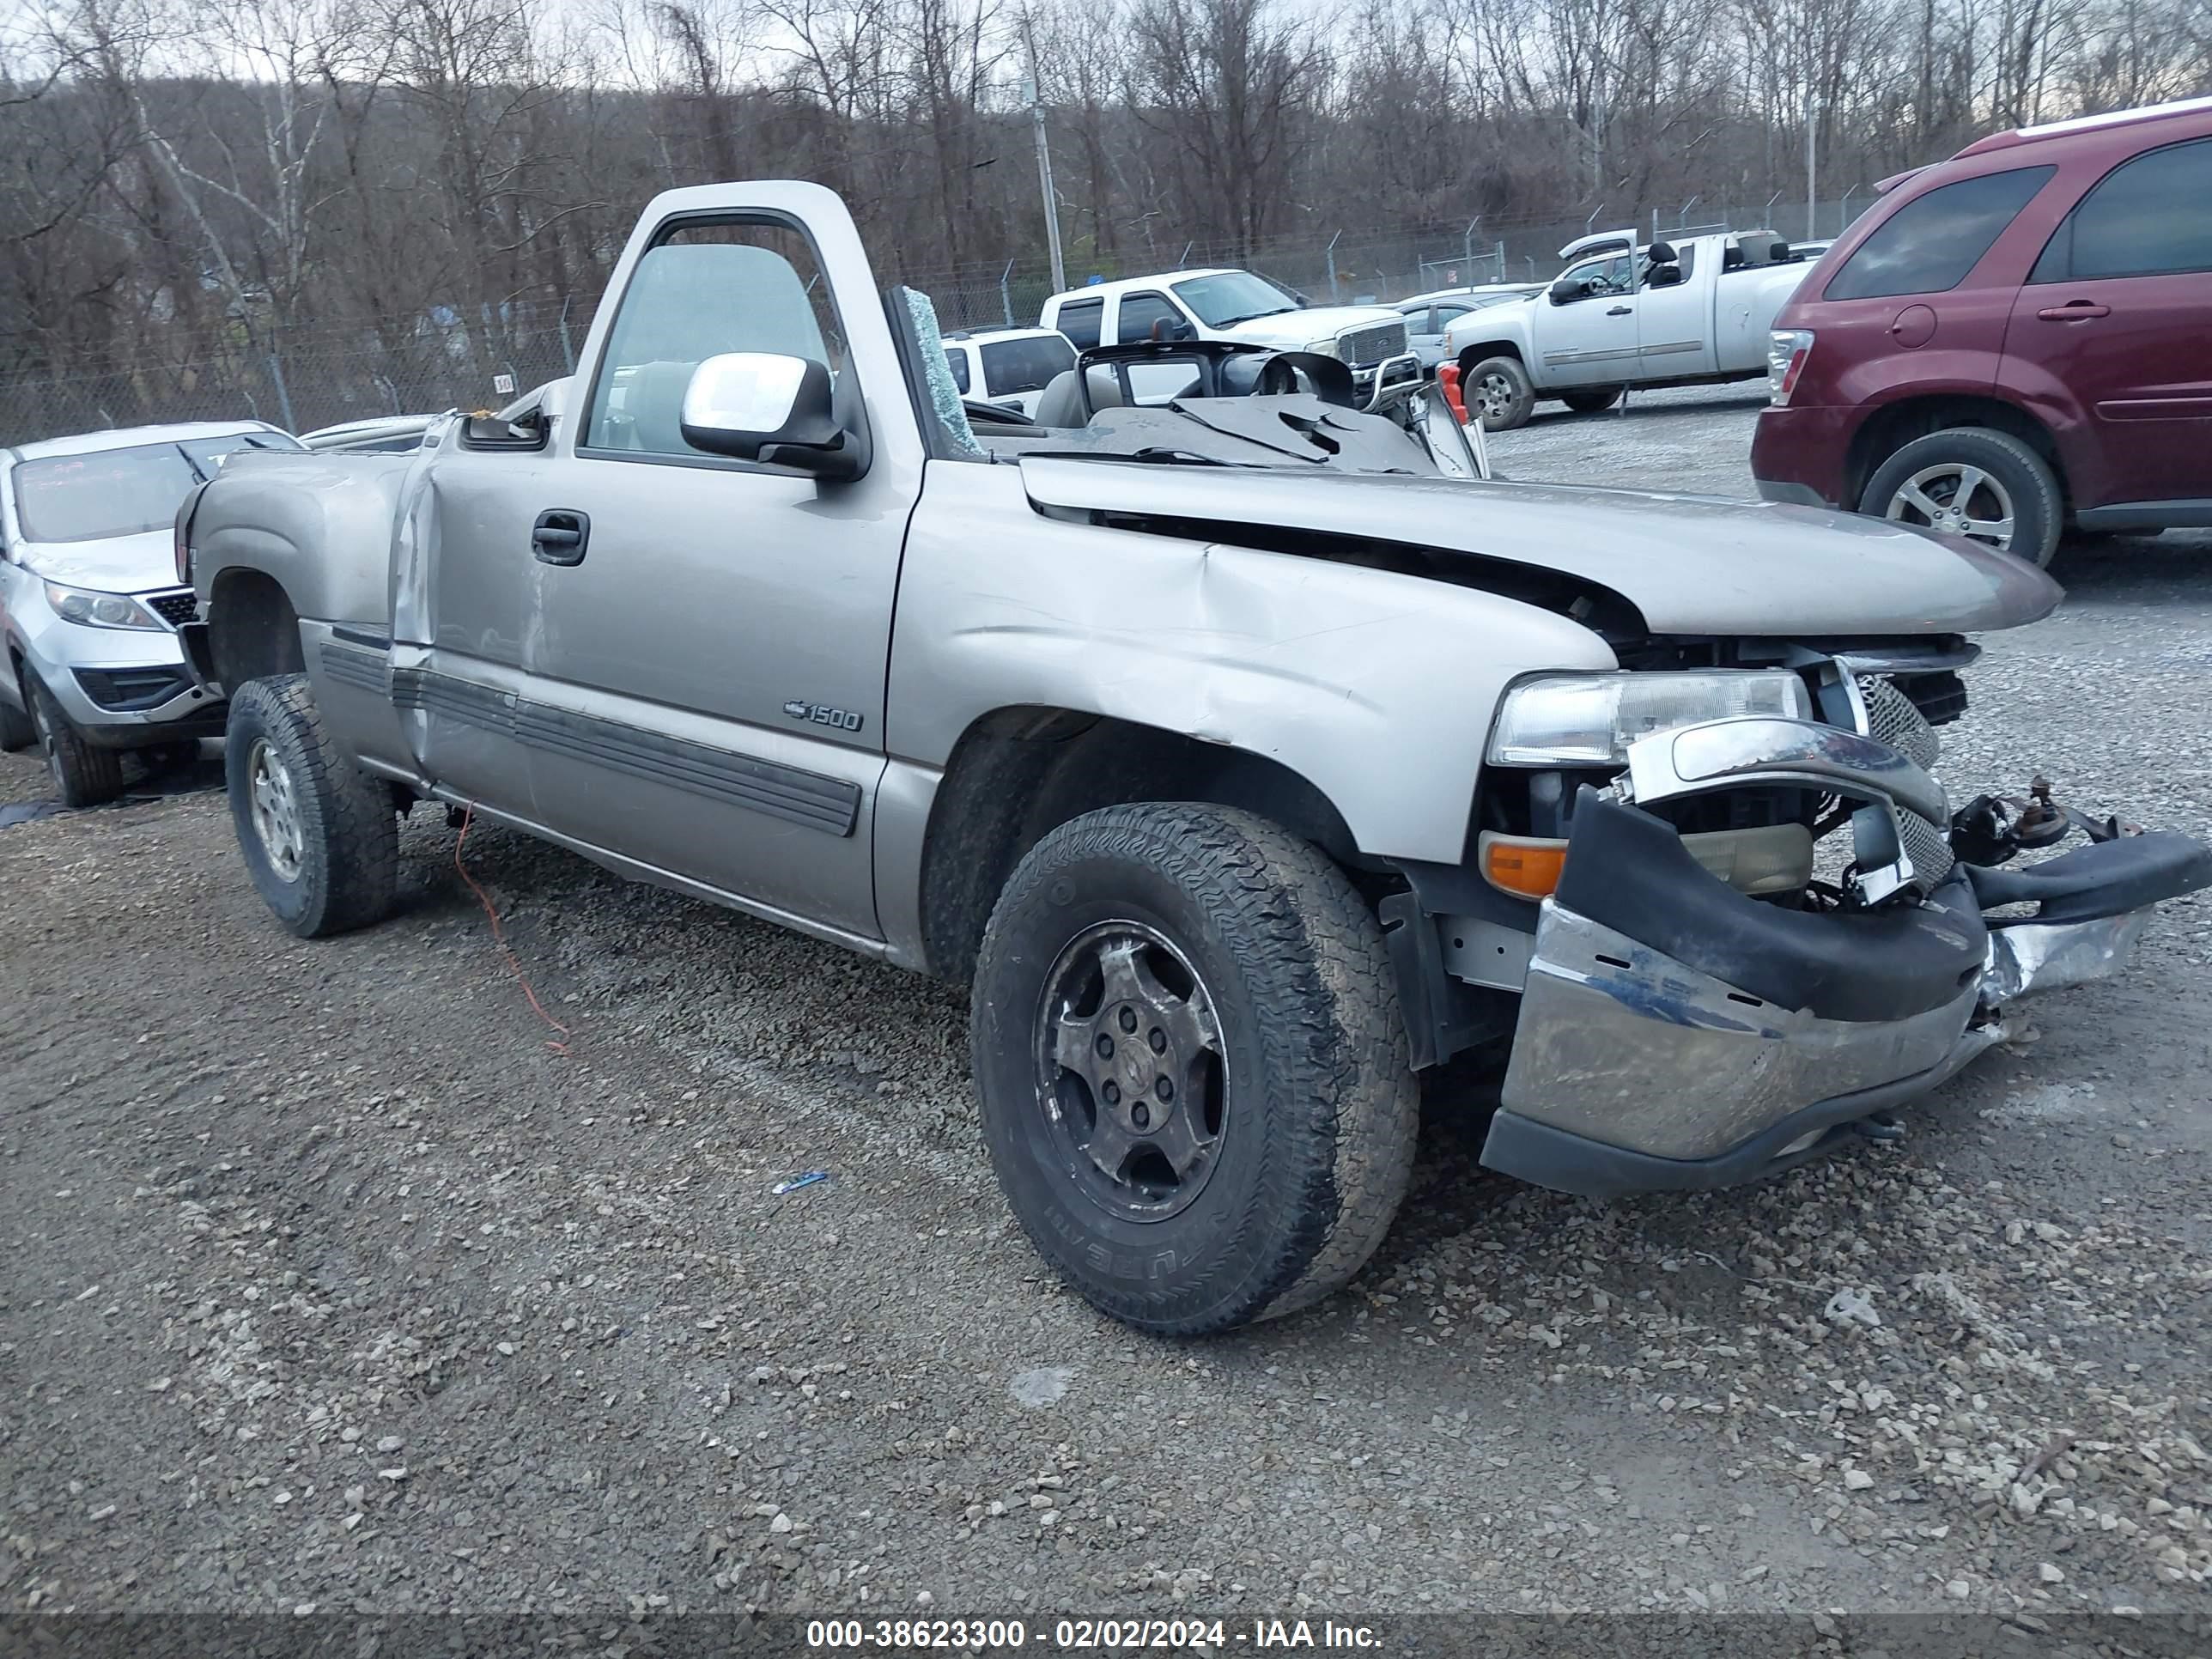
89	599
1428	315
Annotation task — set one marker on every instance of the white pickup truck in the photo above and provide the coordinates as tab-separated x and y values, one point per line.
1691	312
1239	306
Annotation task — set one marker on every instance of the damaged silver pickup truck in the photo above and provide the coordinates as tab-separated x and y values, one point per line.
1244	755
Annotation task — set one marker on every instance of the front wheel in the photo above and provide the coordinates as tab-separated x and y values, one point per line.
1975	482
1192	1068
320	840
1592	400
1498	392
84	774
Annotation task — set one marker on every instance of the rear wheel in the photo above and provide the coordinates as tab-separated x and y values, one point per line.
319	837
1592	400
1496	391
1975	482
84	774
1192	1068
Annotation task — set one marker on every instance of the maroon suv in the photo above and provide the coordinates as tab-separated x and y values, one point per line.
2013	341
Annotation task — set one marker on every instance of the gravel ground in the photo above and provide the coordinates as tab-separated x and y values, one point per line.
332	1284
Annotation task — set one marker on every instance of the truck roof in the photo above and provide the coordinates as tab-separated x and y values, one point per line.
1097	290
1606	238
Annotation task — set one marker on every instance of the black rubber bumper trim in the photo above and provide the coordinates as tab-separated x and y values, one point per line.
1627	870
2104	878
1568	1163
199	653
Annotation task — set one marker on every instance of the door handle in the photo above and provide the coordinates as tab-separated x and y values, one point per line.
2073	311
1621	311
559	537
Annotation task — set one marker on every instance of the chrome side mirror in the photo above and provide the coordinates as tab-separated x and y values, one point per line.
763	406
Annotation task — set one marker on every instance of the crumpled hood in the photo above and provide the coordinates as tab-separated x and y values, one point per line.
1690	564
119	564
1297	330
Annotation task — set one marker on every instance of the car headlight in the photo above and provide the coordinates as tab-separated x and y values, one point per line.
1589	719
1327	348
93	610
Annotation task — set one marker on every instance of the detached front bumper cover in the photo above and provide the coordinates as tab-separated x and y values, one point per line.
1674	1034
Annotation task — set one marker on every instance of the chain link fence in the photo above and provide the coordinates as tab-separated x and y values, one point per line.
301	378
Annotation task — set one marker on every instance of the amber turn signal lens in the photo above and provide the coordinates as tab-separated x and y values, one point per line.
1522	865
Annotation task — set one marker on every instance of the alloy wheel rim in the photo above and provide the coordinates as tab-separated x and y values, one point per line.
275	810
1132	1081
1497	394
1959	499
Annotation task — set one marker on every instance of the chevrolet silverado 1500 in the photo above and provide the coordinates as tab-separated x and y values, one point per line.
1245	754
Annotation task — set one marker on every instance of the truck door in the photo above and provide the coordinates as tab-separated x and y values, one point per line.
708	638
1585	327
1675	318
2117	311
461	609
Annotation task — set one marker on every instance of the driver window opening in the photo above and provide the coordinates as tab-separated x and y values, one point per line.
701	290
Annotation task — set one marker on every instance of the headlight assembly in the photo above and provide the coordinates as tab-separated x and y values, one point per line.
1325	348
1589	719
89	609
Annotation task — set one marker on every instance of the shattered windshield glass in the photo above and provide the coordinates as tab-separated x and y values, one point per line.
944	393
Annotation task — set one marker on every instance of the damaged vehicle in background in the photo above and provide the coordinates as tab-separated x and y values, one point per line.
1243	753
90	599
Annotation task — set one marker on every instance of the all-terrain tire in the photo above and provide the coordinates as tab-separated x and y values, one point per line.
1319	1111
84	774
334	865
2029	486
1592	400
1497	391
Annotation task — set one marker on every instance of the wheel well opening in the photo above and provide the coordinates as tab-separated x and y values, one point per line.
1475	354
1893	426
1018	774
253	632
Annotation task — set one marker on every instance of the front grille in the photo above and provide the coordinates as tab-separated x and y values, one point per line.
1364	348
132	687
175	608
1894	719
1924	844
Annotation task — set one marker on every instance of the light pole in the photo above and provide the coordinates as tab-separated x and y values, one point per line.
1044	160
1811	160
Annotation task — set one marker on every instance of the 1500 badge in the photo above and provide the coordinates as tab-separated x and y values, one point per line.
815	713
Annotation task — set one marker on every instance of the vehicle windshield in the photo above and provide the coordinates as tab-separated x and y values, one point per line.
110	492
1229	297
121	492
1025	365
